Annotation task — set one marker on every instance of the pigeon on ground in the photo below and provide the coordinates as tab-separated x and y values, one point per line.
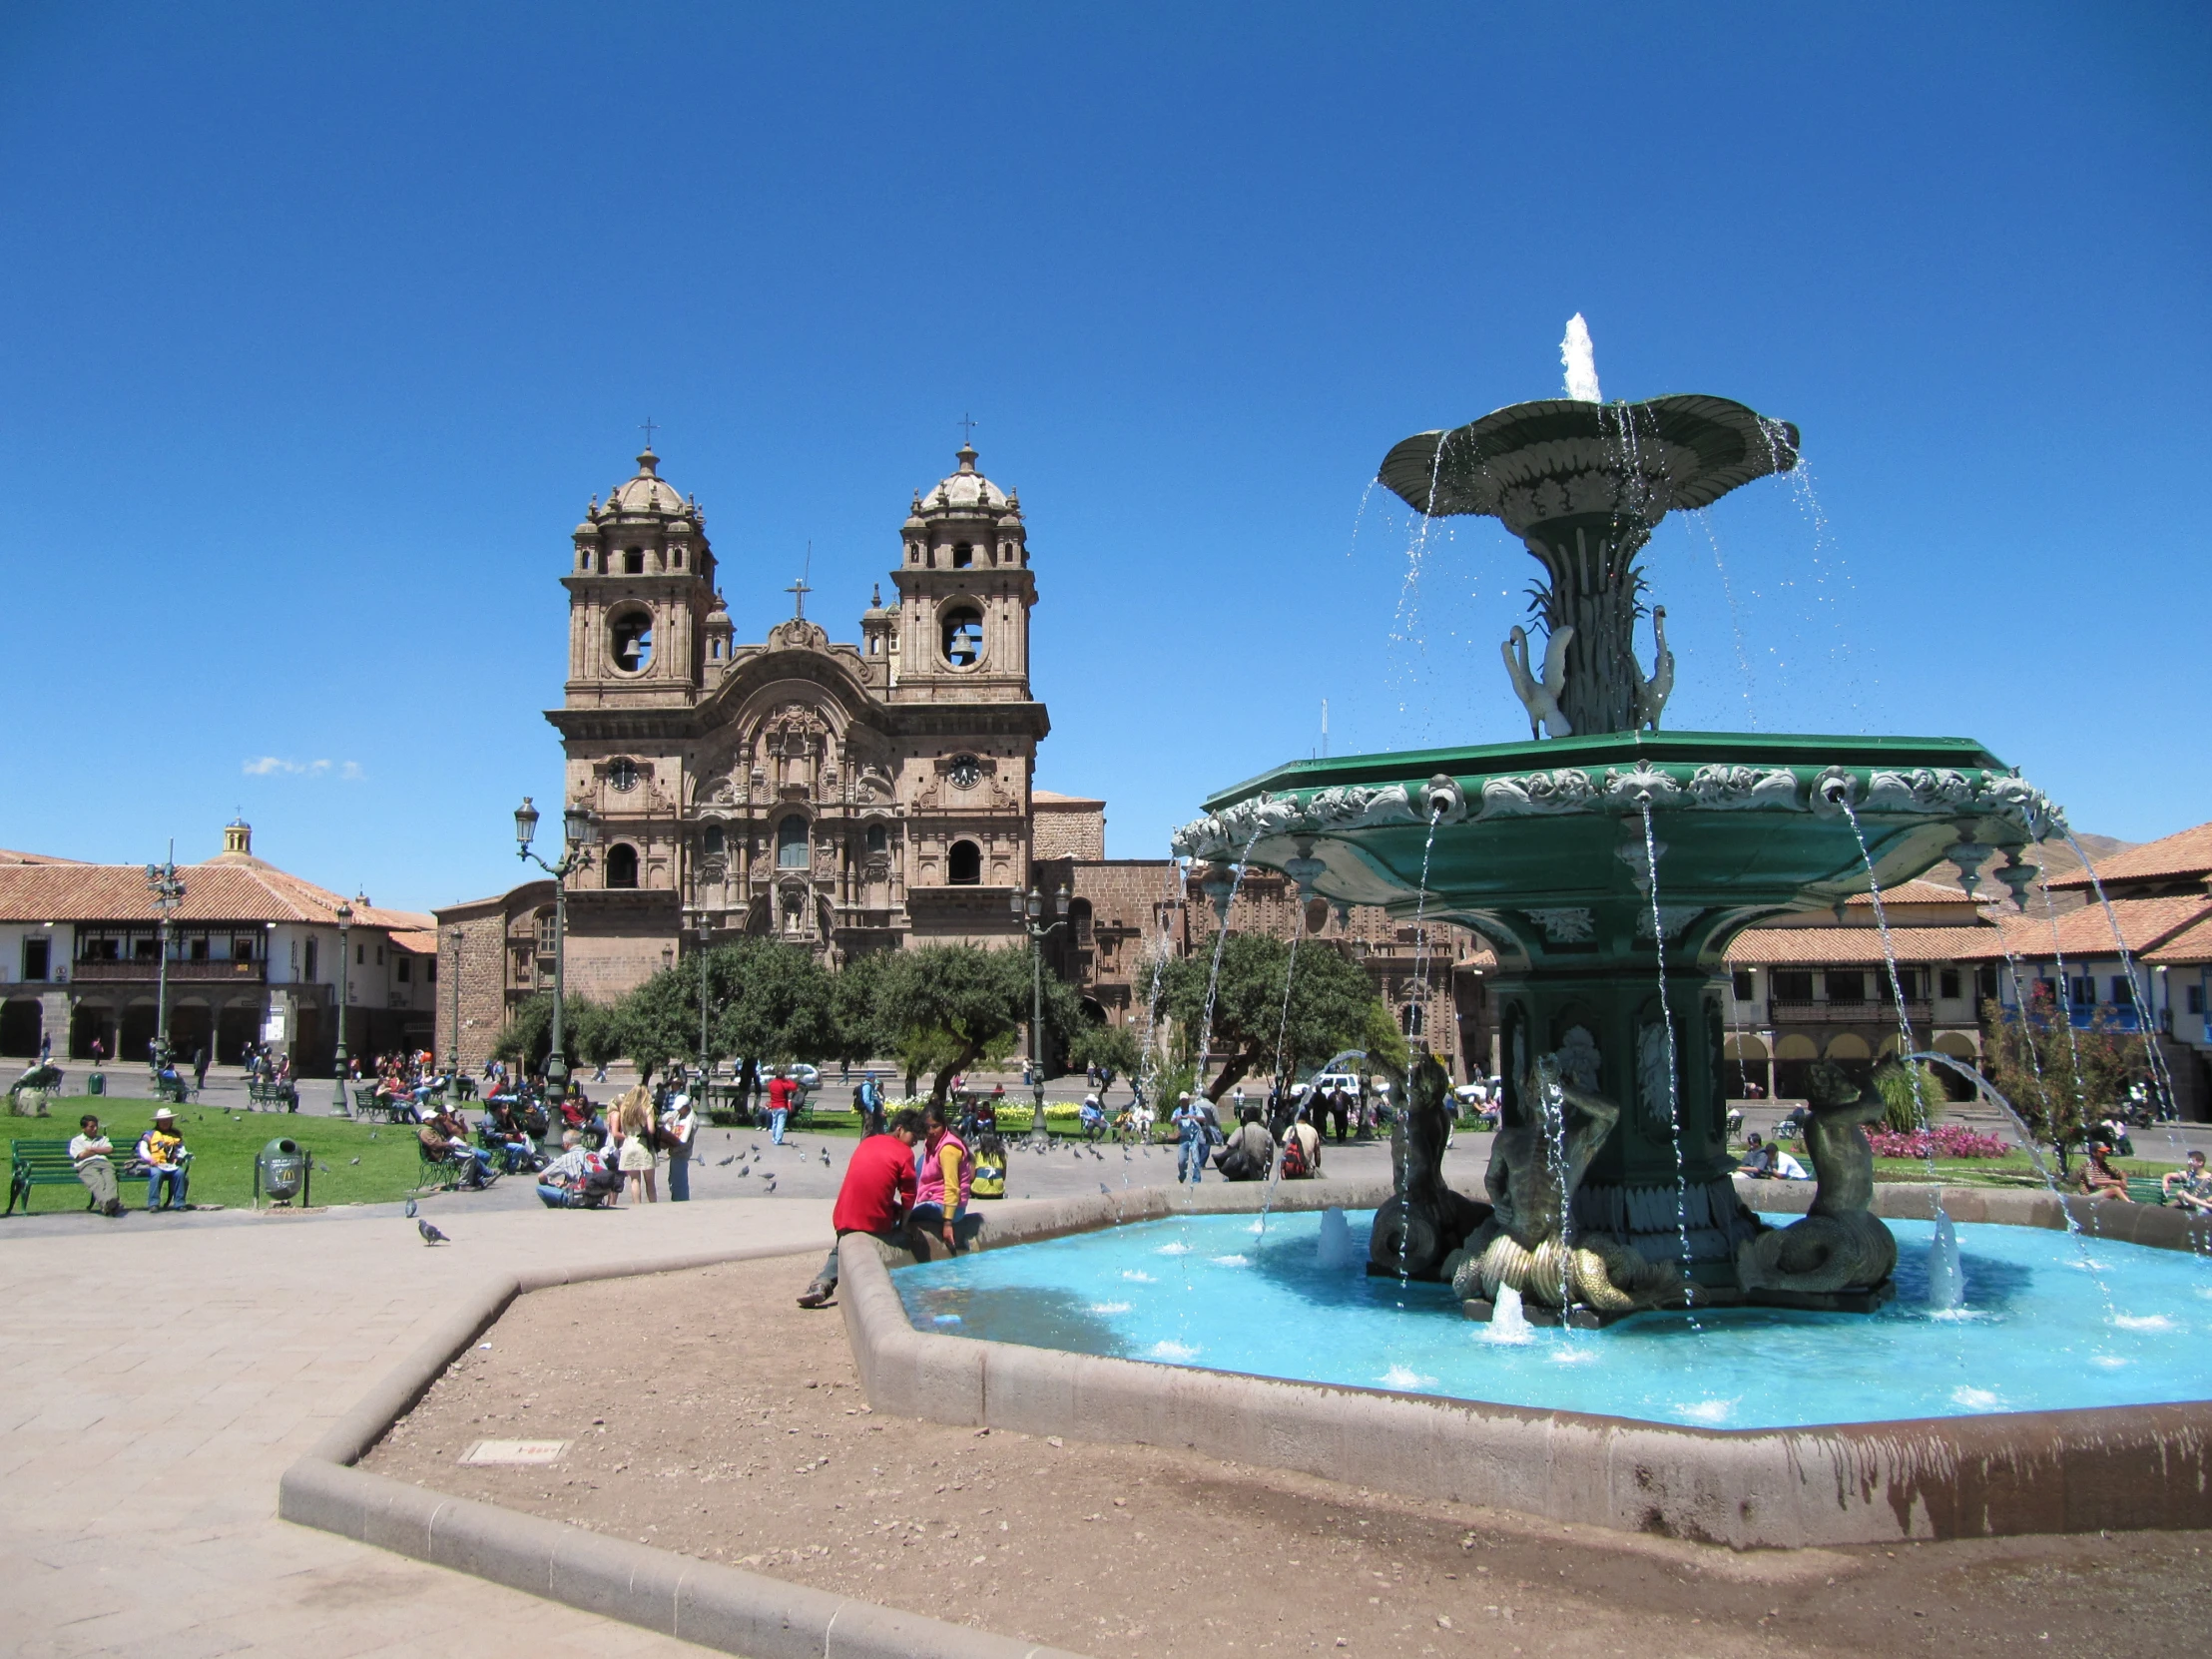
410	1208
742	1173
727	1162
756	1149
824	1157
430	1235
1100	1156
372	1134
352	1160
768	1185
322	1168
1102	1187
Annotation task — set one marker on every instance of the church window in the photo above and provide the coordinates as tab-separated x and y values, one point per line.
710	842
312	965
791	843
622	865
964	556
583	563
633	561
1412	1018
631	636
878	839
678	558
963	636
963	865
623	775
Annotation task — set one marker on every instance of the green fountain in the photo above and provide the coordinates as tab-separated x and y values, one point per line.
1610	864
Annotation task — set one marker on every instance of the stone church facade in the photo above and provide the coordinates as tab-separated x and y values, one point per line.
847	796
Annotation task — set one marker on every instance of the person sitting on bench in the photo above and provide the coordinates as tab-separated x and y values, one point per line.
445	1137
162	1150
92	1150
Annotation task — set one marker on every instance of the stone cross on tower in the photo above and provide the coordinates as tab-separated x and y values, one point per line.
799	590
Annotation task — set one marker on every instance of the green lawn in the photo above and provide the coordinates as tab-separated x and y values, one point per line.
223	1146
2013	1169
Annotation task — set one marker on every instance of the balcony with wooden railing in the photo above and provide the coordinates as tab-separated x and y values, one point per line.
146	970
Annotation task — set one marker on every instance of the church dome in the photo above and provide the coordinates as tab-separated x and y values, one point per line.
647	492
965	490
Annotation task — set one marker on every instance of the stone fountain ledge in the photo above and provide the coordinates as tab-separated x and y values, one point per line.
2117	1468
723	1608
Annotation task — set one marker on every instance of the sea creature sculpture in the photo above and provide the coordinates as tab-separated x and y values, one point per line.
1652	694
1540	697
1417	1225
1841	1244
1523	1245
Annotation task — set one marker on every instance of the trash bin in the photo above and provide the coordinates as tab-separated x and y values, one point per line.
282	1172
97	1083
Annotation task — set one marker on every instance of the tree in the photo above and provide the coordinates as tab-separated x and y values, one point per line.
854	995
2059	1079
781	1006
588	1031
1111	1048
1332	1007
1910	1104
946	1006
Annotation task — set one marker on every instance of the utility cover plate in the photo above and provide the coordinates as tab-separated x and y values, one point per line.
515	1452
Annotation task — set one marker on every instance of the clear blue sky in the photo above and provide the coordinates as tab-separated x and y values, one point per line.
322	323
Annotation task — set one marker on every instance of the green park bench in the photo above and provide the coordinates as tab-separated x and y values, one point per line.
2146	1189
46	1162
278	1097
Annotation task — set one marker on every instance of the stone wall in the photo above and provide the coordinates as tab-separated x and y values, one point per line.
1065	827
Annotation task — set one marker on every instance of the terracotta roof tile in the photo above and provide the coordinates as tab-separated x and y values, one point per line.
223	889
1857	946
2187	853
2144	923
2191	945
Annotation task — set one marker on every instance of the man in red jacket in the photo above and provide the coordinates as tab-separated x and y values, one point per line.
878	1196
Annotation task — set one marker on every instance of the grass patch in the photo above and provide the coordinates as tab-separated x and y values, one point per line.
223	1146
2013	1169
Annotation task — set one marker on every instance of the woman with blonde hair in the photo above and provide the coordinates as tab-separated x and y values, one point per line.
633	1124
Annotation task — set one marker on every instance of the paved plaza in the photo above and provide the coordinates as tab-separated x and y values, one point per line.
163	1371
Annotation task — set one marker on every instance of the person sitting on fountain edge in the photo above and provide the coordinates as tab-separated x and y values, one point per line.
2190	1186
877	1197
1250	1152
1767	1160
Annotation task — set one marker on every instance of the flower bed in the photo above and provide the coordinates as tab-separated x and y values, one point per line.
1946	1140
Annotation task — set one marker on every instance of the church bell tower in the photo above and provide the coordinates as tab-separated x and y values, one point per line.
964	594
641	596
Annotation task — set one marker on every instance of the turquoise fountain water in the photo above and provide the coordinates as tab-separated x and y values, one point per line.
1209	1292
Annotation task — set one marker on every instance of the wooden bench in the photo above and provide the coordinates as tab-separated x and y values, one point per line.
47	1163
2146	1189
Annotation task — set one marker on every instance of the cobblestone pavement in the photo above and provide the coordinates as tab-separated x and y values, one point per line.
153	1389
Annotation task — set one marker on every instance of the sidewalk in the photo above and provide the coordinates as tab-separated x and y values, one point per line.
154	1390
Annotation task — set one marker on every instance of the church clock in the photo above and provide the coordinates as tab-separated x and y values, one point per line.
967	771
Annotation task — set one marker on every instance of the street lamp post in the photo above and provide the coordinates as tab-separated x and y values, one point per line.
1029	911
706	936
346	926
579	833
167	890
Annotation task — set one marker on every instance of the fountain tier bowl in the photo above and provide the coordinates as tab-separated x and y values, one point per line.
1211	1292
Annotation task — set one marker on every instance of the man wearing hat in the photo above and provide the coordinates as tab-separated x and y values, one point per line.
162	1150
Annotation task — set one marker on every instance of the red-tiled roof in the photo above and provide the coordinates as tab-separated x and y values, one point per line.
234	888
2191	945
1857	946
10	858
2144	924
423	941
1053	798
2184	855
1919	890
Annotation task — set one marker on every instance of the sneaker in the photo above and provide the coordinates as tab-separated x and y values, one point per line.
814	1294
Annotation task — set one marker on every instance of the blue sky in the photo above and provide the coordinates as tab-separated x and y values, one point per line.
321	325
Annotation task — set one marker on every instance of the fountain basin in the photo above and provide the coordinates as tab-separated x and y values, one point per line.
1996	1474
1206	1292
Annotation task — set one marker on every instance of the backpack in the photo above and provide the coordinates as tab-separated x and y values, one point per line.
1293	1159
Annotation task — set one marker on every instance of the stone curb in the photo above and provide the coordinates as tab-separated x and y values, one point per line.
2119	1467
723	1608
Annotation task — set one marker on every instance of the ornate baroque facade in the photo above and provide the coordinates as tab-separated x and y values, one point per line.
847	796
